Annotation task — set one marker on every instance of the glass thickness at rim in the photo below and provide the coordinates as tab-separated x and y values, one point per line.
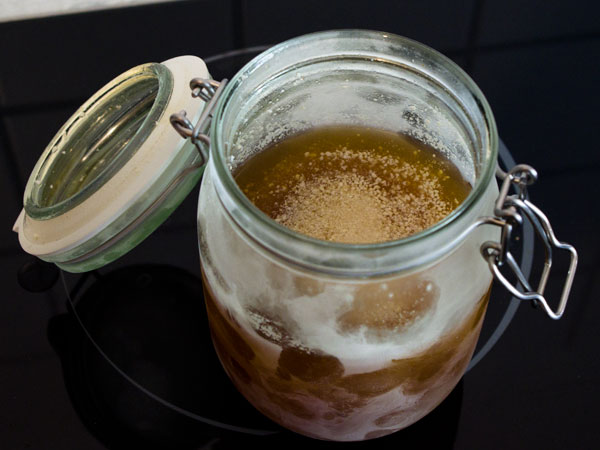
232	188
98	139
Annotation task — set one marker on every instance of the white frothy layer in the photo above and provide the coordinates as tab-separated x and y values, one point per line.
254	282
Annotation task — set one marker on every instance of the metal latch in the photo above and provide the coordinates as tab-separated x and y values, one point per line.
510	211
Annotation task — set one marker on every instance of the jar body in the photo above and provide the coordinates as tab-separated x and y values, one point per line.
337	358
337	341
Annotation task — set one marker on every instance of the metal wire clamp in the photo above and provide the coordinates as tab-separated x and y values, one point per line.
510	210
209	91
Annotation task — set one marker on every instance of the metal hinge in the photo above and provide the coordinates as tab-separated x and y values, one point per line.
209	91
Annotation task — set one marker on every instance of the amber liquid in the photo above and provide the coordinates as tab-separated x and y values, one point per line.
352	184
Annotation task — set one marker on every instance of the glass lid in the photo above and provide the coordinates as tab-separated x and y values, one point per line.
116	169
98	139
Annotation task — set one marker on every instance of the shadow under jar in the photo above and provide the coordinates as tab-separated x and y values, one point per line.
341	341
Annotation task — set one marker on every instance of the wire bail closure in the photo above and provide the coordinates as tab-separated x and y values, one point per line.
208	90
510	211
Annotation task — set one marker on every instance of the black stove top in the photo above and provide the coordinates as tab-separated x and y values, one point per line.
122	357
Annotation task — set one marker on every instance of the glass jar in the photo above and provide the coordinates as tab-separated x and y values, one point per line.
335	341
341	341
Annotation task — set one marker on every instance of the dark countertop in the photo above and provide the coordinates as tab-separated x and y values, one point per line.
536	62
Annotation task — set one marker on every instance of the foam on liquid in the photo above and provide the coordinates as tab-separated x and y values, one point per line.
352	185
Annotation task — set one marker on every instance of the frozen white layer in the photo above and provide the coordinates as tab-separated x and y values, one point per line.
310	307
275	307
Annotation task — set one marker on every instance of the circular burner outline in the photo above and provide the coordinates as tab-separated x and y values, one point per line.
506	160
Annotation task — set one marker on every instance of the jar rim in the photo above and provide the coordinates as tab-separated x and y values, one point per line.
78	133
228	183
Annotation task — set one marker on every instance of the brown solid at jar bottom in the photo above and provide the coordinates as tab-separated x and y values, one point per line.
307	392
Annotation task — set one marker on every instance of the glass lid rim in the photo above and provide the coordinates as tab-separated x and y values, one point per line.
481	183
164	79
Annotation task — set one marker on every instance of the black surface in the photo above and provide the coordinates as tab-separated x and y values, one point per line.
537	63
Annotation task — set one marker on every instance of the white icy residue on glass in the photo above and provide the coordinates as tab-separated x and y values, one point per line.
261	285
275	307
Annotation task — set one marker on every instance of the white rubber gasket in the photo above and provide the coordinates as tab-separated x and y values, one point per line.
46	238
